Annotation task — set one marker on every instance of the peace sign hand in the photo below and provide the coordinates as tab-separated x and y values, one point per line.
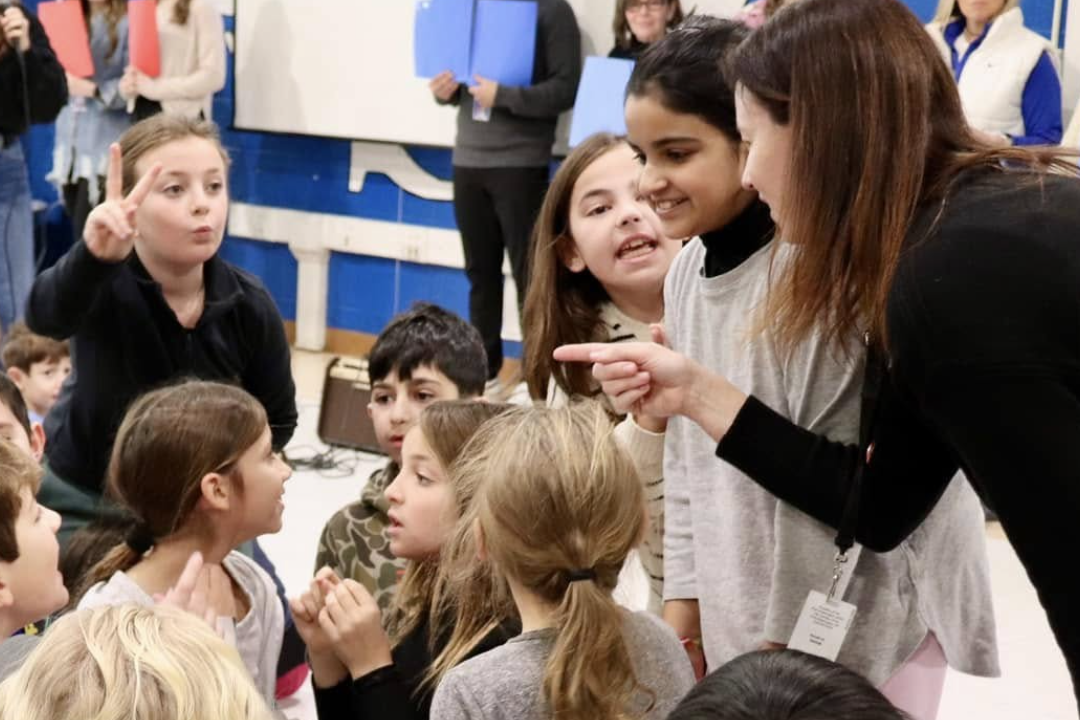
110	229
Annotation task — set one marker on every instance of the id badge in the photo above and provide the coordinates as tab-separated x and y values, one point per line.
480	113
823	626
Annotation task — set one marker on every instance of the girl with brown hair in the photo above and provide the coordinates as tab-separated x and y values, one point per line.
192	39
359	668
146	300
599	258
194	466
558	507
957	260
639	23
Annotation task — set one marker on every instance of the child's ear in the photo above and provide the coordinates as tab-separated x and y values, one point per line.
216	492
17	376
569	255
37	441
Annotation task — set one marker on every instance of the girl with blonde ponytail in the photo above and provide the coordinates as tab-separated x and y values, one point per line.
558	507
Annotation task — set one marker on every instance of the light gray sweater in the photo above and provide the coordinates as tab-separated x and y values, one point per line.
258	634
506	683
750	560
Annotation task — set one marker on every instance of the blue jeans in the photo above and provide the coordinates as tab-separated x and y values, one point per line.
16	235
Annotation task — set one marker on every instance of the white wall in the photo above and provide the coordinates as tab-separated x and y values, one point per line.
343	68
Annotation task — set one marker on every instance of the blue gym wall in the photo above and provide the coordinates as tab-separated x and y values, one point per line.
308	173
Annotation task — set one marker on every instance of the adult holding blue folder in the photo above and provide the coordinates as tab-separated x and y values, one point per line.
502	152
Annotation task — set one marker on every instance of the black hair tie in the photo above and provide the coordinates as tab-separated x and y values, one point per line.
140	539
579	575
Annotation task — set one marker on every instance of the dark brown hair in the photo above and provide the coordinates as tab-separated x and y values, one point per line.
168	441
17	472
784	685
158	130
623	37
853	79
562	307
22	348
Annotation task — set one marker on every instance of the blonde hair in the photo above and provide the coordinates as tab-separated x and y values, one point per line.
948	10
447	427
128	662
158	130
558	500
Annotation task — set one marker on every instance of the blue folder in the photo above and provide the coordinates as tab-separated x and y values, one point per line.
504	41
441	37
600	98
495	39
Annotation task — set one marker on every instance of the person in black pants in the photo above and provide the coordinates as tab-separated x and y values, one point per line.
33	89
956	261
501	162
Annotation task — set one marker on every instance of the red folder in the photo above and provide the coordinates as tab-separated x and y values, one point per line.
144	46
66	27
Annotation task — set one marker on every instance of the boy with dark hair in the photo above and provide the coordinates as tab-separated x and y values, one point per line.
38	365
421	356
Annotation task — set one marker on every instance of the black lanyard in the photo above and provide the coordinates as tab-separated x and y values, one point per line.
871	393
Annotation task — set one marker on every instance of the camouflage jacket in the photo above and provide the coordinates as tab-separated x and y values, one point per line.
354	542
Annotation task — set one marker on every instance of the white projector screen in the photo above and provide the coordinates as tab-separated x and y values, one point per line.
344	68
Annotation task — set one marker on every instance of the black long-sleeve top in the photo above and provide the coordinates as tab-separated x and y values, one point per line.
46	84
390	693
126	340
984	343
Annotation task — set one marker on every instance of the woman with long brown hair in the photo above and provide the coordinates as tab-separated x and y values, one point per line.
957	260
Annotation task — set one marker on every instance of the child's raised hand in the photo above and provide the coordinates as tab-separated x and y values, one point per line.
110	228
189	594
353	622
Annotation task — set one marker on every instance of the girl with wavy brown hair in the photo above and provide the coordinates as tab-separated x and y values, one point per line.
958	261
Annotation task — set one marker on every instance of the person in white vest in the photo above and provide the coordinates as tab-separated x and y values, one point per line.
1008	75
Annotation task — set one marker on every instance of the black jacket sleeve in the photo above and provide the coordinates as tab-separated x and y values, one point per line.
909	471
269	374
46	82
62	296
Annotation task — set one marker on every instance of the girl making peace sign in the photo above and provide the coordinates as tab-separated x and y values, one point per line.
146	300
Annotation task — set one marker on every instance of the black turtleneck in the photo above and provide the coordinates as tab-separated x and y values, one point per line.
729	247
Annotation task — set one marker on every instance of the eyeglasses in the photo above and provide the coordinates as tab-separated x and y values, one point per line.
646	5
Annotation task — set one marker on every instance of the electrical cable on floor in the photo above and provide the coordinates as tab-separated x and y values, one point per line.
333	462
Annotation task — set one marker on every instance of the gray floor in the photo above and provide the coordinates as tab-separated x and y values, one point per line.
1034	686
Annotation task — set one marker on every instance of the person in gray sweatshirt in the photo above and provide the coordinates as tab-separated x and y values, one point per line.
558	508
501	159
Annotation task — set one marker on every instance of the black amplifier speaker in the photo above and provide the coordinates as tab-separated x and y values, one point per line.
343	418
